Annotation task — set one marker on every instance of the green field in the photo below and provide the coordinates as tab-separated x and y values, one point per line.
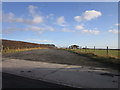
111	53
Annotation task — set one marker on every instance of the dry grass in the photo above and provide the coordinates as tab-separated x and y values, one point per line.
110	61
102	53
19	50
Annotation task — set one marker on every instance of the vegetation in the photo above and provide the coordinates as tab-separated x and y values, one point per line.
10	46
100	56
74	46
19	50
99	52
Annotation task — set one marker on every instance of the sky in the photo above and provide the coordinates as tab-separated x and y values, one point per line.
62	23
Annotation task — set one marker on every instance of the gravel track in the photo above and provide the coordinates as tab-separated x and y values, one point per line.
53	56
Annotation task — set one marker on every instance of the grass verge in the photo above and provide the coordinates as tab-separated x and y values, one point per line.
107	61
19	50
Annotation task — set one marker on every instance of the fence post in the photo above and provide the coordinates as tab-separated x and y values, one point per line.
94	49
85	48
80	48
107	51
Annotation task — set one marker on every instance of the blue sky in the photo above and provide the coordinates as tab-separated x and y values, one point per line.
63	24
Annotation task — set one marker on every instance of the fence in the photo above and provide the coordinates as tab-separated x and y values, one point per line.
107	52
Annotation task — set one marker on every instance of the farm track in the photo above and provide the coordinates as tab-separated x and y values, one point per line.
54	56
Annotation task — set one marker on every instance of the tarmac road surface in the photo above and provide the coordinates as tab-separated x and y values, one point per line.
14	81
60	67
53	56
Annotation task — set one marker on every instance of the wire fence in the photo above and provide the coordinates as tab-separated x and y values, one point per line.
105	51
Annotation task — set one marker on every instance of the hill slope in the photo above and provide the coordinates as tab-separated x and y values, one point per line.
20	44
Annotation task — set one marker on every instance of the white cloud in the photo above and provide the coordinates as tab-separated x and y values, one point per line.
40	29
114	31
78	18
82	29
32	10
67	30
79	27
35	28
36	40
88	15
91	31
91	14
61	21
36	18
10	17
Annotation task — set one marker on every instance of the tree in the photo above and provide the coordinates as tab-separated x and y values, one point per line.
74	47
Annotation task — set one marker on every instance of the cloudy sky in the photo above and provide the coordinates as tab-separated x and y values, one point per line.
63	24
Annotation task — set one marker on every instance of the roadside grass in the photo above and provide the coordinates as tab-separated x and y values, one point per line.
106	60
103	53
19	50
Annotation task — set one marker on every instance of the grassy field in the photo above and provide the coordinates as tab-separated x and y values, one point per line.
111	53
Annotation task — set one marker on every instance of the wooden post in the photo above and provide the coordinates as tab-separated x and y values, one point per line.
107	51
85	48
80	48
94	49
